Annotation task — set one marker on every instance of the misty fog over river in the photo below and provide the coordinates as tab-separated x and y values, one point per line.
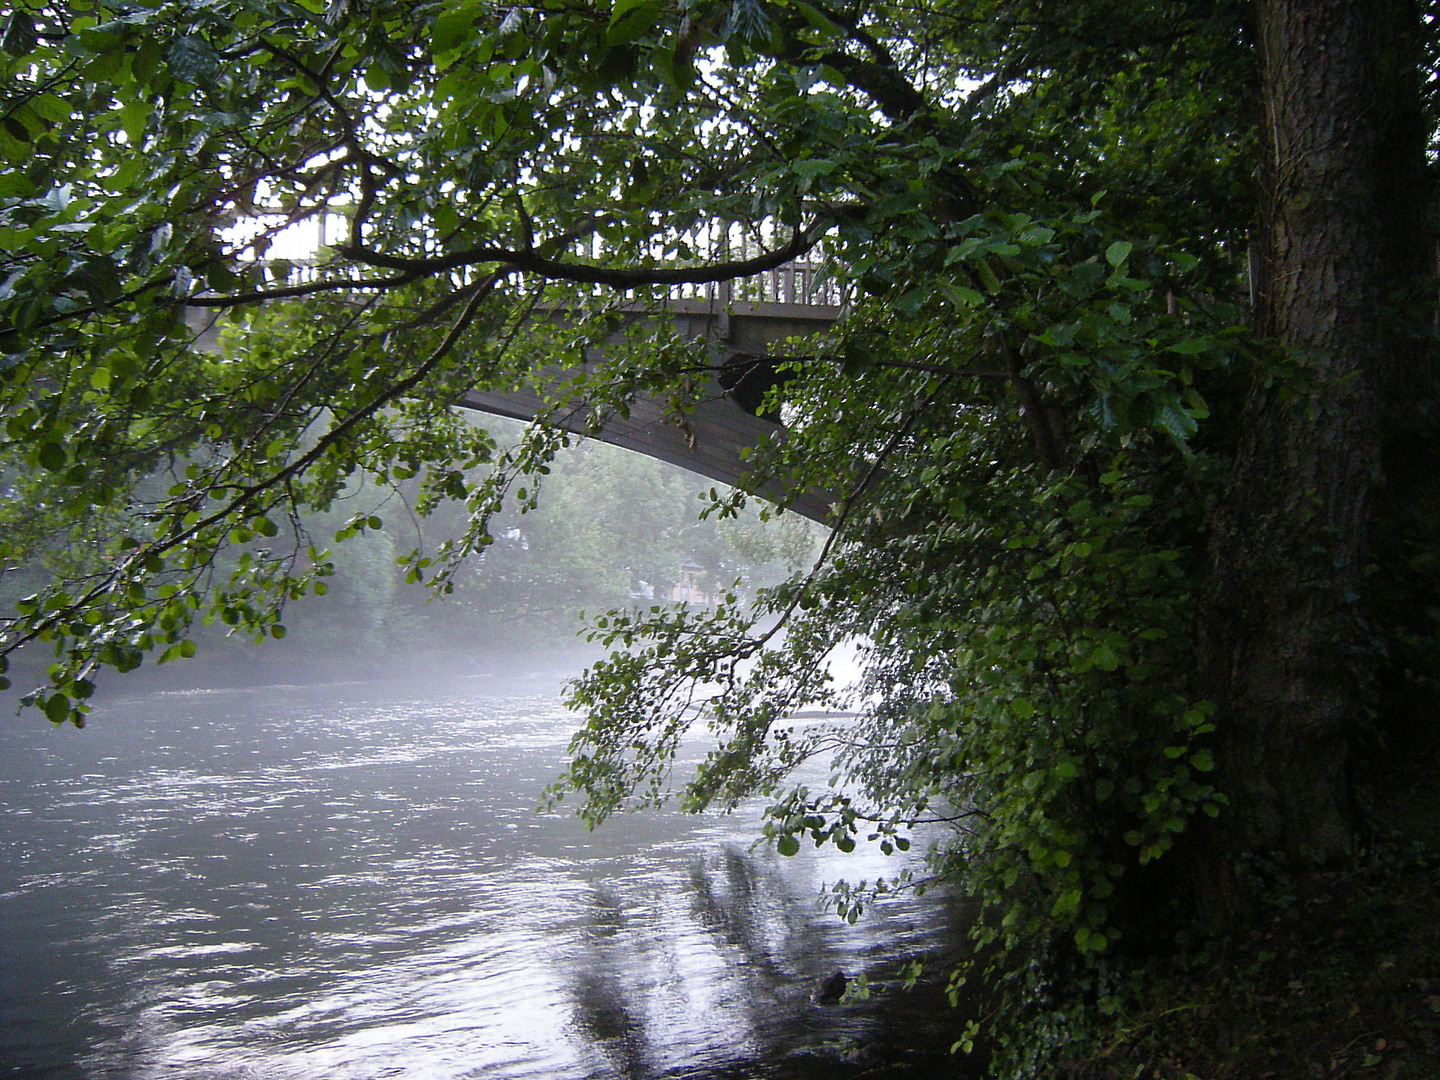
351	881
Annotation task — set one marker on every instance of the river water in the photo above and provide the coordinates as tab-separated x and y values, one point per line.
352	881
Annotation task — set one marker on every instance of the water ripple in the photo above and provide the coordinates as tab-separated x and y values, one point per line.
302	884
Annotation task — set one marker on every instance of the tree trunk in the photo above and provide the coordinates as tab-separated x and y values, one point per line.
1285	649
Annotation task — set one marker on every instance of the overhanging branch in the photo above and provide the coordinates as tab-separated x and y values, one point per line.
533	262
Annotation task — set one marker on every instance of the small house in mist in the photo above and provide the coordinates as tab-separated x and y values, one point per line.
687	590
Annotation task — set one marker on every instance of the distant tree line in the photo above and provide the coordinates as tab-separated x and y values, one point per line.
614	529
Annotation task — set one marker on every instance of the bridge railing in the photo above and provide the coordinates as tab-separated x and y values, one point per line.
292	257
803	282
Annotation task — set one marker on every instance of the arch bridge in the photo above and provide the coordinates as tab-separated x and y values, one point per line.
736	323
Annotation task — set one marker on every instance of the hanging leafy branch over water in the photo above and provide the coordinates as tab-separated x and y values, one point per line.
1128	424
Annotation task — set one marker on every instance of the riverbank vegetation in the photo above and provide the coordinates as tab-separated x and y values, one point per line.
1334	975
1128	426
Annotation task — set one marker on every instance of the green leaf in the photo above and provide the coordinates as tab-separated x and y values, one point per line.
812	167
52	108
1191	346
987	276
787	844
18	36
15	126
815	17
629	20
452	27
1105	657
623	8
52	456
1178	423
133	117
1118	252
961	297
57	708
192	60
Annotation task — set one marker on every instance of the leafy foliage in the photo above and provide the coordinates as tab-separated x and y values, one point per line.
1037	210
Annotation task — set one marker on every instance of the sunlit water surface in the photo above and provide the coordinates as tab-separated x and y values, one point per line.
352	881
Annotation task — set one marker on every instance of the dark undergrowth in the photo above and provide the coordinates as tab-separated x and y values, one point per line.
1337	977
1334	976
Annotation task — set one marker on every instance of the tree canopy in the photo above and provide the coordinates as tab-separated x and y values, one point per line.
1124	420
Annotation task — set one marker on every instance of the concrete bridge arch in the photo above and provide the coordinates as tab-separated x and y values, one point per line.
743	319
720	427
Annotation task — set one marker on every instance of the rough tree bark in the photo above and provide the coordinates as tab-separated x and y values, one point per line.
1284	654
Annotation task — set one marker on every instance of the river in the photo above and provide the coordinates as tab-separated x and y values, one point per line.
351	880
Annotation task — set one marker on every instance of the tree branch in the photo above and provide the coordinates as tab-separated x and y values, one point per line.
532	262
248	494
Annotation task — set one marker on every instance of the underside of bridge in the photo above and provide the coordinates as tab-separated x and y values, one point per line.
735	337
723	422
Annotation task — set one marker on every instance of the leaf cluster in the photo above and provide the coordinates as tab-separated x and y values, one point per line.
1035	210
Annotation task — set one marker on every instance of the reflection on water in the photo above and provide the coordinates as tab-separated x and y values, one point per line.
351	882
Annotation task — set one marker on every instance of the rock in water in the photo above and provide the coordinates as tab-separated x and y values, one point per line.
831	988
